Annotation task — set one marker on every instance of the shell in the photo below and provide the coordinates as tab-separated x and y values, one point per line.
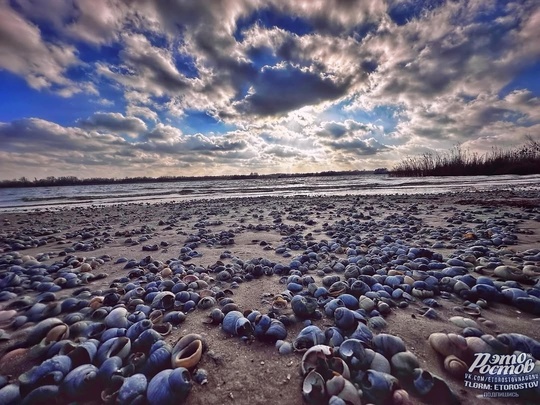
363	334
342	388
137	328
447	344
187	352
145	341
378	362
46	394
117	318
133	389
234	323
10	395
314	388
463	322
403	365
163	300
169	387
423	381
345	319
333	336
206	303
118	346
81	383
378	387
315	357
174	317
304	307
309	336
51	371
455	366
388	345
279	303
108	368
354	354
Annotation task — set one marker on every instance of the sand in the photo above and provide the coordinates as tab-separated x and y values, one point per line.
242	373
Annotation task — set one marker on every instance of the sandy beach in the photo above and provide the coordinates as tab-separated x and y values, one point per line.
209	236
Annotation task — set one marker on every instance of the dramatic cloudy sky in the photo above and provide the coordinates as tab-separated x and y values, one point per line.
121	88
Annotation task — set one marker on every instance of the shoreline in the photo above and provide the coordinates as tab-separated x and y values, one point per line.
234	230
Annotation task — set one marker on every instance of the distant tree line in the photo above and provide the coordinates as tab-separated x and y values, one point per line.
522	160
74	181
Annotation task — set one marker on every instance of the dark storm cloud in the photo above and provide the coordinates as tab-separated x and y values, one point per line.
283	89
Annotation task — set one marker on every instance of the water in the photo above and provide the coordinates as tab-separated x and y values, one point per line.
14	199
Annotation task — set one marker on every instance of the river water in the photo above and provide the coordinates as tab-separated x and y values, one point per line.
14	199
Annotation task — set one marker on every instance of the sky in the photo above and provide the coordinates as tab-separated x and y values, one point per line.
125	88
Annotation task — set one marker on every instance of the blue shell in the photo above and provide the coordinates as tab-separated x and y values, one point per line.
388	345
159	359
118	346
331	307
10	395
304	307
276	331
108	368
174	317
229	322
81	383
353	353
262	323
349	300
145	341
51	371
111	333
362	333
137	328
333	336
309	336
377	387
132	390
46	394
345	319
169	387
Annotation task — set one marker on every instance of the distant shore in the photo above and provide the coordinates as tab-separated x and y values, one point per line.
226	232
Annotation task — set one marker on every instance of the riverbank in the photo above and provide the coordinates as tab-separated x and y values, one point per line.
315	236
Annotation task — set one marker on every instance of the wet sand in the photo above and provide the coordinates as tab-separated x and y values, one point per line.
250	228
